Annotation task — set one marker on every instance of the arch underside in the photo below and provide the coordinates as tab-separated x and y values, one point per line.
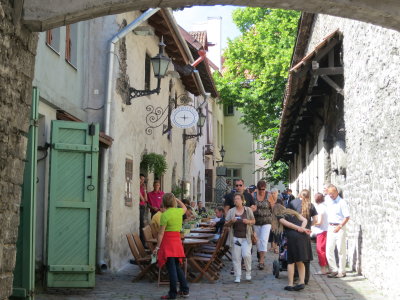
40	15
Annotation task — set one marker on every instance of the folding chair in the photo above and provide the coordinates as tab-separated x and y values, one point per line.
148	237
221	251
139	245
144	262
209	265
154	230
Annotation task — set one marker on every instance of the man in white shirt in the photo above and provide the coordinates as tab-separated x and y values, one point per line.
338	216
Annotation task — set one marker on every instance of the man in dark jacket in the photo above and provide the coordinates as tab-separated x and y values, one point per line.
240	188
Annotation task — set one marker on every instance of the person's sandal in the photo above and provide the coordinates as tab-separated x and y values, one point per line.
261	266
183	294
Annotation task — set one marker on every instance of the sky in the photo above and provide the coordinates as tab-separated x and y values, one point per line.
199	14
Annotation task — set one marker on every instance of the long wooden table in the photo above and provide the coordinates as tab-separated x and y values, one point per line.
199	235
202	230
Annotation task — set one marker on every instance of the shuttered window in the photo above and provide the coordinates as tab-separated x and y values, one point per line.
147	72
128	181
71	44
53	39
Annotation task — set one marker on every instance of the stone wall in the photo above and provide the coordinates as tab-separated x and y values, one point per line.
371	56
17	53
44	14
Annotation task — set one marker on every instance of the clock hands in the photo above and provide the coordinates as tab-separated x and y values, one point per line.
184	118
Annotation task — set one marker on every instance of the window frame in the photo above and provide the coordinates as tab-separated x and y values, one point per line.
128	181
68	48
147	72
49	40
227	108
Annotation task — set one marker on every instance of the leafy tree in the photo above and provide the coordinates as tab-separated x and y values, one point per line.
254	75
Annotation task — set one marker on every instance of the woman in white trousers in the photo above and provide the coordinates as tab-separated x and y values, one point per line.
263	217
241	219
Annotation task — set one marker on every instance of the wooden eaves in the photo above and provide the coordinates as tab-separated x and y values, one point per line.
300	91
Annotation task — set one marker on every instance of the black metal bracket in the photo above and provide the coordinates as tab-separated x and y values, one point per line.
192	136
134	93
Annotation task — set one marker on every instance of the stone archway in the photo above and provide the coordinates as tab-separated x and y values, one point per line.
40	15
19	18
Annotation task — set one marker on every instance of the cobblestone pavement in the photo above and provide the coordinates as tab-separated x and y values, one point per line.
263	286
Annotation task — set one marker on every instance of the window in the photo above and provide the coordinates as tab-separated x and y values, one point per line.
71	44
128	181
147	72
229	110
233	174
53	39
209	127
218	135
222	135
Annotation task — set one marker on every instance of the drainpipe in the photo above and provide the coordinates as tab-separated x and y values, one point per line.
101	231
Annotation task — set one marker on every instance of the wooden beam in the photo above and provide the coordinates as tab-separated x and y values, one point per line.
333	84
331	58
328	71
325	50
316	93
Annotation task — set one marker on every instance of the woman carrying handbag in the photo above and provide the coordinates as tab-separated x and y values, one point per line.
241	219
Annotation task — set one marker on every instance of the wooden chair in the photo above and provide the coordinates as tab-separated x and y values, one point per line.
154	230
148	236
209	265
224	249
143	261
221	251
139	245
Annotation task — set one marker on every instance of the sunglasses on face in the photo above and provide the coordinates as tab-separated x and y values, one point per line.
239	185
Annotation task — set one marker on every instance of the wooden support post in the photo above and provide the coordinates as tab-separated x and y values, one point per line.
333	84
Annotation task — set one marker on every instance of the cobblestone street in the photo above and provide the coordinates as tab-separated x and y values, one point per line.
263	286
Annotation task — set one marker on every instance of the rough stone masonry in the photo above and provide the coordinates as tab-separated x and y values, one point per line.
17	57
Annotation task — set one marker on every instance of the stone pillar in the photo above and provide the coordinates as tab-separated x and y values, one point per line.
17	59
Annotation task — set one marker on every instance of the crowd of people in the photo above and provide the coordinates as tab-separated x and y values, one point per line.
282	218
257	217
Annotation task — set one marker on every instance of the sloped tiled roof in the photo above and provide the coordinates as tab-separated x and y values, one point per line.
201	37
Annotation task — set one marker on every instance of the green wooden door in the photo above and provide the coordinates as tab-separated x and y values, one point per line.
24	272
71	238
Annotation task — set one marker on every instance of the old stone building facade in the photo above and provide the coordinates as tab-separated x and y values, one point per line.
346	134
17	55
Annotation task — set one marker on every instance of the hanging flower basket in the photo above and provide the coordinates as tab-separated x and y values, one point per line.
153	163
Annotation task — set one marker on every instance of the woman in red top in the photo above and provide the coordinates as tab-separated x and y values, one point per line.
155	197
169	248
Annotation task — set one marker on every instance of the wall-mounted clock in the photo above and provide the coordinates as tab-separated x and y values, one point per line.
184	117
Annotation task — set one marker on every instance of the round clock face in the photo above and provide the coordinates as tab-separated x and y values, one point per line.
184	117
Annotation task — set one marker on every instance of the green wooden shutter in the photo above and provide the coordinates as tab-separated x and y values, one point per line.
24	272
71	239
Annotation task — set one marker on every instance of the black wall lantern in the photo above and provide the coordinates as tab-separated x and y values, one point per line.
200	124
222	153
160	64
